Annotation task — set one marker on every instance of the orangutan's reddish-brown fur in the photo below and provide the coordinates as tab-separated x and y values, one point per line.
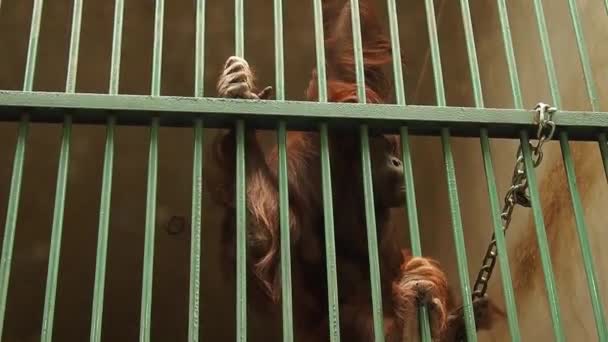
404	279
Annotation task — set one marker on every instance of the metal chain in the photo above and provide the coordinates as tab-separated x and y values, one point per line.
517	194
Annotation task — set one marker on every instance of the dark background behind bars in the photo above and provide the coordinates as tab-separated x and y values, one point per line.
171	264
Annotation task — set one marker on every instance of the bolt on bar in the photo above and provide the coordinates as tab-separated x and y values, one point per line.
412	211
286	291
581	229
148	269
197	179
241	194
451	177
603	142
106	186
368	189
55	247
541	235
498	235
17	175
328	210
584	56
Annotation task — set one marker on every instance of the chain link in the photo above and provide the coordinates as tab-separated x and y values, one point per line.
517	193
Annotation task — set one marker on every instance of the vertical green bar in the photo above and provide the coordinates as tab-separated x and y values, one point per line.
148	271
451	176
425	328
553	83
199	59
510	53
55	247
157	58
32	50
74	47
498	238
396	52
11	218
197	179
584	56
435	53
241	194
285	239
106	186
15	190
471	53
102	235
358	50
278	50
372	238
461	255
241	235
239	28
546	47
195	241
541	235
412	214
330	240
328	210
119	8
583	239
603	142
286	292
370	215
320	51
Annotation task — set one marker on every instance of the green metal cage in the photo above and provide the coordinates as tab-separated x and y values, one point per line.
201	112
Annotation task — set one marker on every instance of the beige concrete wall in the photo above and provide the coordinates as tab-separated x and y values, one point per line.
530	292
121	313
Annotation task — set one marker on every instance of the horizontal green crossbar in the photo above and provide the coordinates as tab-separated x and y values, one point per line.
178	111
